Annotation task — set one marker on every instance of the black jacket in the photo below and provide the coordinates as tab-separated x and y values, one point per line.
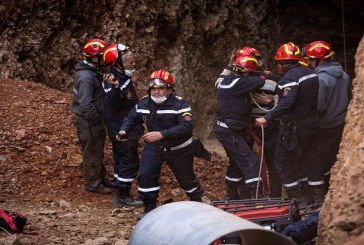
173	119
233	99
118	103
88	94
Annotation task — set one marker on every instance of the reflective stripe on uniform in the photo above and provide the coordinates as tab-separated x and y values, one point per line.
122	179
192	190
288	85
184	144
252	180
124	85
291	184
233	179
316	182
229	85
148	189
306	77
222	124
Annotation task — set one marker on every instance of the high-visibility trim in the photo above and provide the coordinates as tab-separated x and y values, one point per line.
316	182
233	179
291	184
288	85
192	190
252	180
306	77
222	124
124	85
303	180
123	179
148	189
173	111
188	142
143	111
327	173
229	85
75	91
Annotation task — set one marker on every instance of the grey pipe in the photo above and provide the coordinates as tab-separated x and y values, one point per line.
195	223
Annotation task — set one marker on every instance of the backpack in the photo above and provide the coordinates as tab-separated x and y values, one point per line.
12	221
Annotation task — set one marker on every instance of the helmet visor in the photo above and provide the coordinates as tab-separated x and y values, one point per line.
156	83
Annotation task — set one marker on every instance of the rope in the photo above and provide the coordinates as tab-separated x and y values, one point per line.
261	162
343	23
256	103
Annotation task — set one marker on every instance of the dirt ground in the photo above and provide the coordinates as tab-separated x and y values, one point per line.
40	172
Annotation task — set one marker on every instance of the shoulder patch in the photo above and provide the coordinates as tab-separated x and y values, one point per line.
178	98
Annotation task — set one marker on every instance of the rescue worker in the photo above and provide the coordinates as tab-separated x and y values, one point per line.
297	111
334	96
233	116
120	98
87	104
169	120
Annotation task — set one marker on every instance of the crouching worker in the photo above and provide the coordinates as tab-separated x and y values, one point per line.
169	139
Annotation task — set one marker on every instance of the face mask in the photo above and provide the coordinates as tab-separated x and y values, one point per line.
159	100
129	73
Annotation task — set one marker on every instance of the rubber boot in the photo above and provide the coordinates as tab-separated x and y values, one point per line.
317	193
294	194
122	198
232	192
253	191
196	195
148	206
305	195
243	191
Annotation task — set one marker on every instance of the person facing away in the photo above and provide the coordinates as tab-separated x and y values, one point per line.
297	112
335	93
169	120
233	117
87	104
120	98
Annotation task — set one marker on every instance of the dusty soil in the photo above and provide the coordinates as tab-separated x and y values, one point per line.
40	172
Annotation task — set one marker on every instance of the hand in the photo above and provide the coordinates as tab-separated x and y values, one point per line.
109	78
262	98
152	136
232	57
121	136
261	121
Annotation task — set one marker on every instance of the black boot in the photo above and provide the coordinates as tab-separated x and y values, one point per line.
196	195
253	191
305	195
294	194
243	191
317	193
148	206
231	192
123	198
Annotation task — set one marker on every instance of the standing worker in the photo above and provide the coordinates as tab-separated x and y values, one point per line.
297	110
87	104
169	121
233	116
120	98
334	96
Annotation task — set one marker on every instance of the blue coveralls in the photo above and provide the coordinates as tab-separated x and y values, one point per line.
174	120
118	103
233	116
296	150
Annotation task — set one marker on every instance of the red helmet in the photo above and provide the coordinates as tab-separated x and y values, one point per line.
249	51
246	64
113	52
303	61
164	75
288	51
94	47
319	50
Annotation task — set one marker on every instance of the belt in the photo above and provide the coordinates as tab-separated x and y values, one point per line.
184	144
222	124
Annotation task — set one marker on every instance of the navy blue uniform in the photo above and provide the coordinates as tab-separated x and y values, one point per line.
118	103
173	119
296	150
87	104
233	116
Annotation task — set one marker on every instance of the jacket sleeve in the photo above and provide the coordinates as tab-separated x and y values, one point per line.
223	74
133	118
243	85
185	122
285	102
87	108
113	96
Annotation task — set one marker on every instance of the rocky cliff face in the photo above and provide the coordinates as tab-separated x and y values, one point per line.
41	40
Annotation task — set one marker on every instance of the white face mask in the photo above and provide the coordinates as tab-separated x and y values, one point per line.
129	73
159	100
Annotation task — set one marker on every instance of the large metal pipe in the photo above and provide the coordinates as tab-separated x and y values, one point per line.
195	223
